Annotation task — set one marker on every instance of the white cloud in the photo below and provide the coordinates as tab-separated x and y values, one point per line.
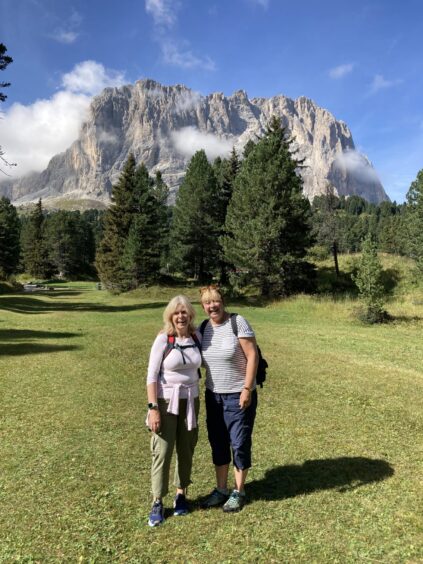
174	53
358	165
380	83
63	36
341	70
187	101
163	11
90	77
68	33
33	134
184	58
189	140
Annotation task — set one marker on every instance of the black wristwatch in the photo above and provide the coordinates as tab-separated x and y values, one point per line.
153	406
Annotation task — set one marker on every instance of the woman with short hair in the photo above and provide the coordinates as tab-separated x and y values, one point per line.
231	360
173	404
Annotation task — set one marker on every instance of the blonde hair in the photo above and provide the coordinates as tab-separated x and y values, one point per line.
211	293
171	308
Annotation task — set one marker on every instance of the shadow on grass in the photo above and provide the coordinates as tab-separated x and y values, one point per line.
27	304
343	474
20	334
23	349
10	348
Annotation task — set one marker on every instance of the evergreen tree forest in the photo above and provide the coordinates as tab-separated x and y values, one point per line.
241	221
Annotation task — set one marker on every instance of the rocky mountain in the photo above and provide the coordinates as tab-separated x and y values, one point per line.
164	125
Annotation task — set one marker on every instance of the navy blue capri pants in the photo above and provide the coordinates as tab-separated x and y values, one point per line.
230	427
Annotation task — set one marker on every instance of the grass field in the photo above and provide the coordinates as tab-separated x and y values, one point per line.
338	443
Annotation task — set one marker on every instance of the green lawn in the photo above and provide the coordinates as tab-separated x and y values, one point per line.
338	461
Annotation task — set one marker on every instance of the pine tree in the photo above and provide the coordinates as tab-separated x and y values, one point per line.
117	221
70	244
267	222
34	245
415	220
369	284
9	238
143	247
326	223
195	226
225	171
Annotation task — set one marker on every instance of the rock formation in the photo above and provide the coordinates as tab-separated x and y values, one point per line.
164	125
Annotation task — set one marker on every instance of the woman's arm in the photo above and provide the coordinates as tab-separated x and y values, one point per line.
154	366
249	348
153	414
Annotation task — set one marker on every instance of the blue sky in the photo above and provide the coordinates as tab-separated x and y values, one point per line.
362	61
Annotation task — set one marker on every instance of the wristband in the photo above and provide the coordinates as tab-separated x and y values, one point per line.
153	406
248	389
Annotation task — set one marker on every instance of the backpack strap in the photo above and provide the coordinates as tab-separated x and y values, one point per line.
170	345
203	326
234	324
196	340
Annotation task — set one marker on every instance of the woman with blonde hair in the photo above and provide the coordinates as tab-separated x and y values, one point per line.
230	357
173	404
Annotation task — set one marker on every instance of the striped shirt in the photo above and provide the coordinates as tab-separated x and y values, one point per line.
223	356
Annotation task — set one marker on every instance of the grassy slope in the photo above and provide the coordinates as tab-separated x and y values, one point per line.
337	446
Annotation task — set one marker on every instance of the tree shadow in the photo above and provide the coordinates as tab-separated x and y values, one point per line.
28	334
9	346
23	349
390	279
327	282
30	305
343	474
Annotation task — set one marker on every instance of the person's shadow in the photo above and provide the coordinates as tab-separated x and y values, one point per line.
343	474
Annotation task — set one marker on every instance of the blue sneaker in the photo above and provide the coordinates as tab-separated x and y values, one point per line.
235	502
180	505
156	514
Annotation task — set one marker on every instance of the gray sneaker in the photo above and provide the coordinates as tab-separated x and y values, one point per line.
235	502
215	499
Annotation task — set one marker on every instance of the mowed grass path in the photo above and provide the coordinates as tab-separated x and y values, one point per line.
338	461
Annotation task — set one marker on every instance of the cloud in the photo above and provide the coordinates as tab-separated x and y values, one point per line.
380	83
174	53
163	11
66	37
184	58
68	33
341	70
90	77
187	101
33	134
357	165
189	140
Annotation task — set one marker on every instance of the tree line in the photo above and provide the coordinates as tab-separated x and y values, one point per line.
242	220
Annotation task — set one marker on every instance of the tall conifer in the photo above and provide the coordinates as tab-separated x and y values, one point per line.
109	260
34	245
9	238
195	225
267	222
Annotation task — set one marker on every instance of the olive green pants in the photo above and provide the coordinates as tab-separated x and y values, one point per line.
173	431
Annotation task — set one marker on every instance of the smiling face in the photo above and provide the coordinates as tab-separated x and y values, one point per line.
181	320
213	306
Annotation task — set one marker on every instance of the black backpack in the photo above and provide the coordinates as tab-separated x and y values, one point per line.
262	363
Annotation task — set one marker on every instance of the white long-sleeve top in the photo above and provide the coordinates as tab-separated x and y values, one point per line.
177	375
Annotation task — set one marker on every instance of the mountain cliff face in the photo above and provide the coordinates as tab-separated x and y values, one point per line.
164	125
